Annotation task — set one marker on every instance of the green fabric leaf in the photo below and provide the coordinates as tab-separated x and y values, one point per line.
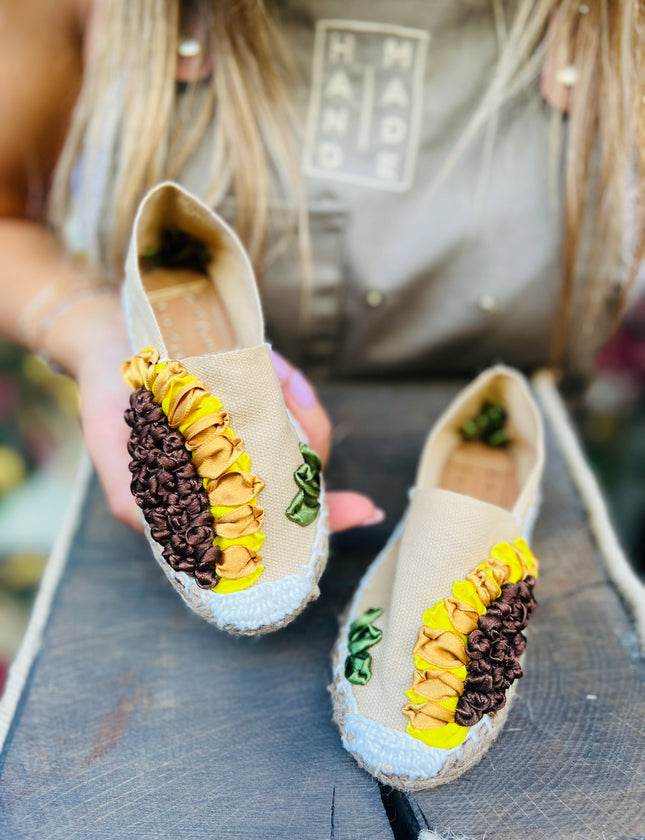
305	506
301	511
358	668
488	426
362	635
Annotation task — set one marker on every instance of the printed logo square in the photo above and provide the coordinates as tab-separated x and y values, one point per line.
366	103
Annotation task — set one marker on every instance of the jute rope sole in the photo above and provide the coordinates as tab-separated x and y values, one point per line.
618	566
192	595
469	754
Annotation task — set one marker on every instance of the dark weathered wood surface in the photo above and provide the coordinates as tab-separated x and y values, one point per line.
141	721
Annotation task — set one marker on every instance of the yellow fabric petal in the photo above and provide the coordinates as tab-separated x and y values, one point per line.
220	510
422	665
530	560
225	585
243	464
437	616
449	736
506	553
465	591
252	541
175	386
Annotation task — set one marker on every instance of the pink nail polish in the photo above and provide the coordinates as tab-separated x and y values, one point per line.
376	519
281	367
301	390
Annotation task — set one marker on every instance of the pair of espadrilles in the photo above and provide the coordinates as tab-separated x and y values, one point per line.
234	505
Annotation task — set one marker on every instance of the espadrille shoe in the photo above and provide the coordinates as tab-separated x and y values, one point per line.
231	493
431	642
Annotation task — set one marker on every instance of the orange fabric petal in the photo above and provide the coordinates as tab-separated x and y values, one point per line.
240	522
440	647
486	587
428	715
233	489
500	571
214	453
437	685
463	617
218	422
237	561
137	370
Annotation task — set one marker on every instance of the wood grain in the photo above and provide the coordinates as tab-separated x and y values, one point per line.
141	721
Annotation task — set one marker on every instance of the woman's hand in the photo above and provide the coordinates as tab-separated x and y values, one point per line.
104	398
346	508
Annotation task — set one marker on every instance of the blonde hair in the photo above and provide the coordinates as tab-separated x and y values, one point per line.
128	131
127	134
603	153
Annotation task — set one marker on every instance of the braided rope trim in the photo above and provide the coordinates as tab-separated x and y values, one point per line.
399	761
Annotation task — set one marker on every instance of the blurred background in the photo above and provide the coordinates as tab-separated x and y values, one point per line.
40	446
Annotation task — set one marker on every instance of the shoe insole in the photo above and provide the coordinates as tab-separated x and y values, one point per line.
190	312
485	472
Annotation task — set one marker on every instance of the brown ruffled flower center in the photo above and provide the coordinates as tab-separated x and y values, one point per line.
168	490
494	650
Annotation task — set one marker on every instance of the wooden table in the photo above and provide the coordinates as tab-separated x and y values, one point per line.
138	720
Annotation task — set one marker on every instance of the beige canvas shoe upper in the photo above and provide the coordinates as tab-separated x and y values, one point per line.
401	664
195	322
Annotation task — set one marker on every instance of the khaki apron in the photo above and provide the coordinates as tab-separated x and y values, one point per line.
410	277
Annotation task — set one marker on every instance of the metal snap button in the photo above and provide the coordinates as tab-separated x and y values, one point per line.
374	297
488	303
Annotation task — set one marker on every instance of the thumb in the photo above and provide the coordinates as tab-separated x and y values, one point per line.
352	510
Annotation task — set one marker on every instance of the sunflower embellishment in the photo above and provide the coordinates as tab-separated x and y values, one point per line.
191	476
467	652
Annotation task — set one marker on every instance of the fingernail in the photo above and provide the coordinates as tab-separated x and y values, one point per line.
301	390
281	367
376	519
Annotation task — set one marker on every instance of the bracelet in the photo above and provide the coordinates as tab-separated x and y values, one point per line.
24	325
32	329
